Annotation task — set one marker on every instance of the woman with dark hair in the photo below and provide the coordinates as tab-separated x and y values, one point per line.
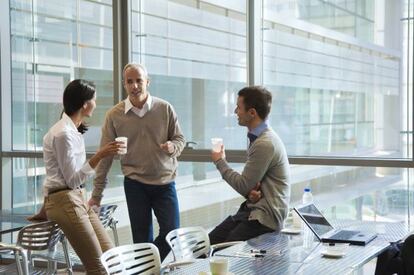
66	172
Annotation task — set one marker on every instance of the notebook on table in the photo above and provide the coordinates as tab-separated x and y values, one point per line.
325	232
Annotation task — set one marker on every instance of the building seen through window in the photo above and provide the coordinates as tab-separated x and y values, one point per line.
339	72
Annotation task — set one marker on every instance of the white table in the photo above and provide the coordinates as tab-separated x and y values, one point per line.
285	254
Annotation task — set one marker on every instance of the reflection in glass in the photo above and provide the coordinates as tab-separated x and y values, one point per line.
196	59
337	73
337	70
51	44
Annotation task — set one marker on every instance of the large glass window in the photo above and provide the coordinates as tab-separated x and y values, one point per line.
195	53
338	73
52	43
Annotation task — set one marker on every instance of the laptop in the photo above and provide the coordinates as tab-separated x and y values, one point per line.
325	232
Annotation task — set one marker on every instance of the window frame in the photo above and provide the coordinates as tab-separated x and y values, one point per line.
122	47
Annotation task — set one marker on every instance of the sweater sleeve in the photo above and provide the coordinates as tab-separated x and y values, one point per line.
257	164
101	179
175	134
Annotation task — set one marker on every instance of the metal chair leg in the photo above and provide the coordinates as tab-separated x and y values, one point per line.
25	262
67	257
22	264
115	232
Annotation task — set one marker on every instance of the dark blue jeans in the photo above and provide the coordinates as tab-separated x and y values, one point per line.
141	199
238	228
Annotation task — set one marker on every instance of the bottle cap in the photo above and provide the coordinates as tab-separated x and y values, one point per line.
307	189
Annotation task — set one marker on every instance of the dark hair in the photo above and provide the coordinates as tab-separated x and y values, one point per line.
76	93
258	98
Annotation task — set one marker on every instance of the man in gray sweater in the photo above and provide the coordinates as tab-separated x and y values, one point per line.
150	164
267	163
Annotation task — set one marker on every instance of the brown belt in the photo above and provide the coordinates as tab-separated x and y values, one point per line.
54	191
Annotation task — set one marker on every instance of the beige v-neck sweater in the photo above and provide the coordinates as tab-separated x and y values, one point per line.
145	161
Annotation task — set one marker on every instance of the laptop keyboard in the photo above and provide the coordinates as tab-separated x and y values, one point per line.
343	235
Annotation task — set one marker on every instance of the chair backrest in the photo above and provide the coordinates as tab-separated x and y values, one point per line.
105	214
39	236
188	242
140	258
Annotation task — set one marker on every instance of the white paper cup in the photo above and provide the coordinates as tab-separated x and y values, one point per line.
219	266
216	144
124	140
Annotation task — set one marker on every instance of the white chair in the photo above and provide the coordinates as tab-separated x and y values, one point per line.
34	238
44	236
139	258
192	242
106	216
107	219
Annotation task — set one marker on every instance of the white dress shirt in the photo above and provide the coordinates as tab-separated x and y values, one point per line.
65	157
139	112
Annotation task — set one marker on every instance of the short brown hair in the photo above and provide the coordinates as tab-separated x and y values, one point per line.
258	98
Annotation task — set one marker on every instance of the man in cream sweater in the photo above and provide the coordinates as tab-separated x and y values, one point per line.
150	164
267	163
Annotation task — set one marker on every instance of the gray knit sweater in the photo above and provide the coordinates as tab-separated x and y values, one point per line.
267	163
145	161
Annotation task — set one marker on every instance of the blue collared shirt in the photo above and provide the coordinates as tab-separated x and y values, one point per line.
258	130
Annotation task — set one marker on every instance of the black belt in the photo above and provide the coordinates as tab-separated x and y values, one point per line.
54	191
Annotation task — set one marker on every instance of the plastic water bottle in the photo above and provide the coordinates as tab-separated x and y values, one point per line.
307	233
307	196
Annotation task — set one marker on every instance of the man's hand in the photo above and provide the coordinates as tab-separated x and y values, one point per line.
255	194
93	202
215	156
40	216
167	147
94	205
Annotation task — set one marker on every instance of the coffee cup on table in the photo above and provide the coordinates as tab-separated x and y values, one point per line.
337	248
216	144
334	250
124	140
219	266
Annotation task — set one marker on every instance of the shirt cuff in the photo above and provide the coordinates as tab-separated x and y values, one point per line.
87	169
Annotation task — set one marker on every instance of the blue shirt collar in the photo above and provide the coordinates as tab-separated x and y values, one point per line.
259	129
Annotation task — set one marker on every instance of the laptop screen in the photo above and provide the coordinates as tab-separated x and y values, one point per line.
315	219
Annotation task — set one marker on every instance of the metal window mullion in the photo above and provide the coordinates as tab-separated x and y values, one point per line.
5	104
410	30
239	156
121	16
410	114
254	42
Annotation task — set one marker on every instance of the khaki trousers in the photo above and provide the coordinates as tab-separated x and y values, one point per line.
81	226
